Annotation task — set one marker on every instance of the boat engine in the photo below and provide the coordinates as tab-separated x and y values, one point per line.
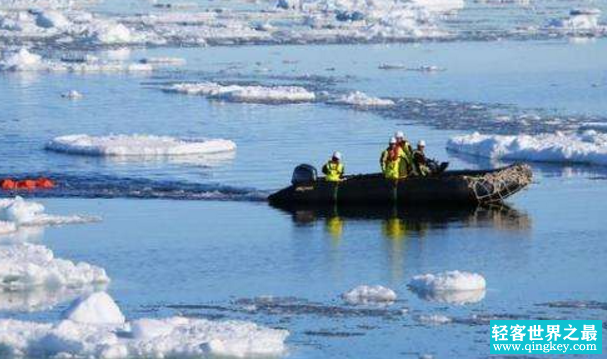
303	173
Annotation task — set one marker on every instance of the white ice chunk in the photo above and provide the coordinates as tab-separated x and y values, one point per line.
24	266
72	95
96	308
163	61
252	94
364	294
27	213
360	99
21	60
579	20
143	338
137	145
448	281
434	319
26	61
440	5
590	147
52	19
7	227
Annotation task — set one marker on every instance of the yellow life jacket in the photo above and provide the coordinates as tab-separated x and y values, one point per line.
334	171
391	161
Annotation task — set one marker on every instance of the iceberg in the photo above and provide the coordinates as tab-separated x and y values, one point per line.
137	145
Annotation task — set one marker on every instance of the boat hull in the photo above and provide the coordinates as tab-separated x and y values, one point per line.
449	188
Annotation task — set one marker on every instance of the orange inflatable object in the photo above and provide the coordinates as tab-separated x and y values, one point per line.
8	184
44	183
26	184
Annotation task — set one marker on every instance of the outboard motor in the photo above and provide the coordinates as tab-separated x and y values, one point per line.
304	173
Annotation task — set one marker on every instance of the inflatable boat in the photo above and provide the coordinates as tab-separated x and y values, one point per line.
463	187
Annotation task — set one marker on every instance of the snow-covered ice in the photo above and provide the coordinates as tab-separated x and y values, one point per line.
453	287
364	294
24	266
163	61
589	147
25	61
433	319
360	99
41	298
137	145
96	308
72	95
252	94
16	212
102	335
448	281
580	21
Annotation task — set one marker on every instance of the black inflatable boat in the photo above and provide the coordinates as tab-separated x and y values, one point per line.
466	187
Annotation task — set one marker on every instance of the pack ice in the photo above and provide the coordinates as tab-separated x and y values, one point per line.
17	212
24	266
589	147
94	327
452	287
137	145
360	99
23	60
251	94
365	294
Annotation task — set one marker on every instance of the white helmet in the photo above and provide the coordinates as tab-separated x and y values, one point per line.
392	140
337	155
399	134
421	143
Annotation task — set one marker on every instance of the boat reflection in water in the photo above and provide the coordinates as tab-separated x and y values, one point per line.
396	223
408	234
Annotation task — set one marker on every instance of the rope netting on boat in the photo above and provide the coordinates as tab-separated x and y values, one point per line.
497	186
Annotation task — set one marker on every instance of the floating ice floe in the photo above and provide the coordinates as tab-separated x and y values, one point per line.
72	95
360	99
99	332
589	147
24	266
41	298
25	61
364	294
433	319
18	212
393	66
453	287
96	308
580	21
163	61
137	145
251	94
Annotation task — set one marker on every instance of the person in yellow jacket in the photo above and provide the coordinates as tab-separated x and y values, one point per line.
391	160
406	165
334	168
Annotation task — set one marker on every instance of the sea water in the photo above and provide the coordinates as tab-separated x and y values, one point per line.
193	236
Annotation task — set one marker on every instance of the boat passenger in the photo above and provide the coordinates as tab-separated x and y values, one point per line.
406	165
391	159
334	168
421	164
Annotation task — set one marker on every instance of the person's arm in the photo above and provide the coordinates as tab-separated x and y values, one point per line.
325	170
382	161
343	170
